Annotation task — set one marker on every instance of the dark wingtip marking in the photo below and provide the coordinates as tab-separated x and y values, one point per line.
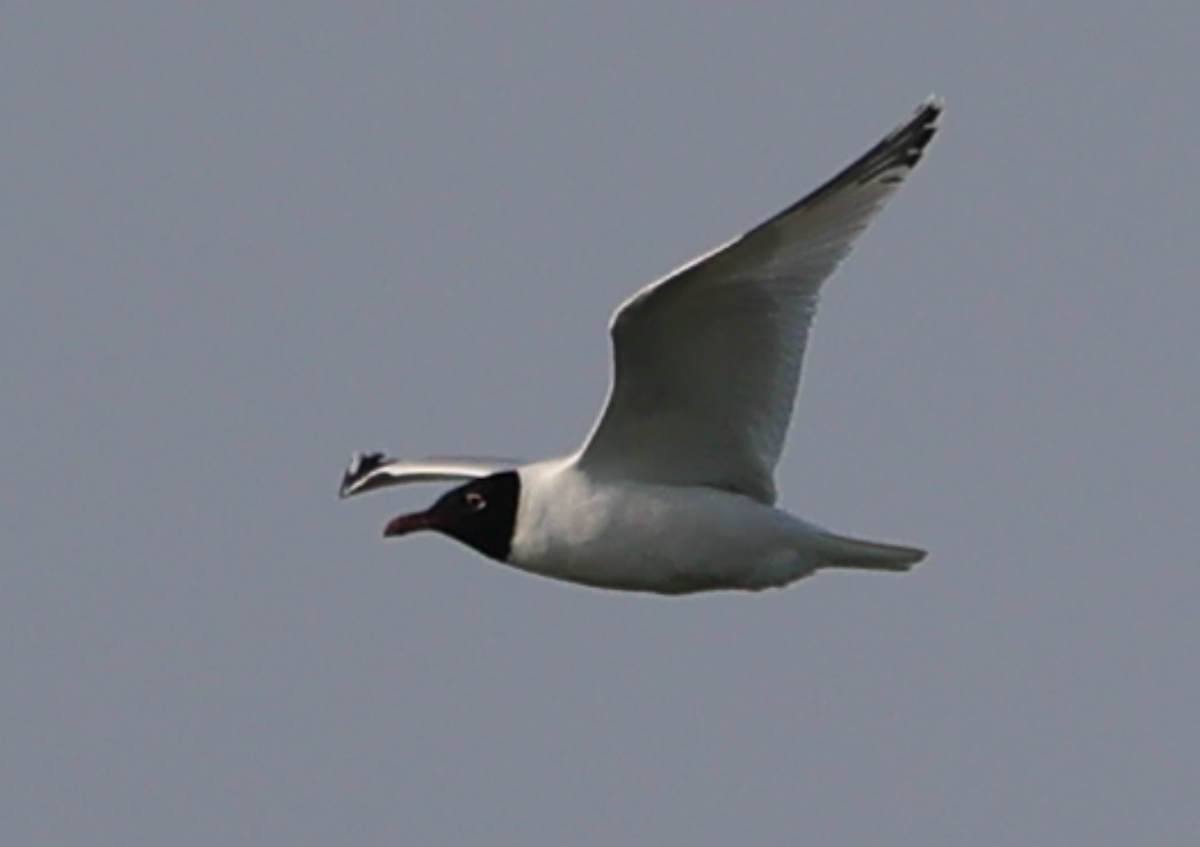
892	158
361	465
888	163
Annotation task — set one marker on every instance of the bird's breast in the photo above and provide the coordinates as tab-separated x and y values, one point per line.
664	539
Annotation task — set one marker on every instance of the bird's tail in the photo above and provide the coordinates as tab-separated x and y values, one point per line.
840	551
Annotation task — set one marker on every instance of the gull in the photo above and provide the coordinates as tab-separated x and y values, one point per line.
673	490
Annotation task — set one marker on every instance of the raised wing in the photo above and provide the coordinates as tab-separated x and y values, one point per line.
368	471
707	360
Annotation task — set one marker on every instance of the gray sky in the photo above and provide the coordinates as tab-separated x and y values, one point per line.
243	239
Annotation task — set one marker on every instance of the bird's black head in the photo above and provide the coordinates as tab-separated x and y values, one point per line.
481	514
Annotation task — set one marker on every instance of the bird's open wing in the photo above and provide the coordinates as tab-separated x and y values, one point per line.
368	471
707	360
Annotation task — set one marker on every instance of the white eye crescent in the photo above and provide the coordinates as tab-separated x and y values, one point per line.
475	501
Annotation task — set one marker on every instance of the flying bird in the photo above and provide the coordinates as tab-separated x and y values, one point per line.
673	490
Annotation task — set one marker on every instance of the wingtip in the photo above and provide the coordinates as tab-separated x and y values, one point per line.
925	117
909	141
360	466
928	115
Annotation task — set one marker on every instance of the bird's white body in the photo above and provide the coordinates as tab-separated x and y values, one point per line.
668	539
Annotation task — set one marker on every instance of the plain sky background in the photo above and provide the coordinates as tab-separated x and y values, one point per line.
243	239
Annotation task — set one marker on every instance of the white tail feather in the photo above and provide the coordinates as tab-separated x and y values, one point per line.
840	551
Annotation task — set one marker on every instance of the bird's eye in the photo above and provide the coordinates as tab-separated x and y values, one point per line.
474	501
